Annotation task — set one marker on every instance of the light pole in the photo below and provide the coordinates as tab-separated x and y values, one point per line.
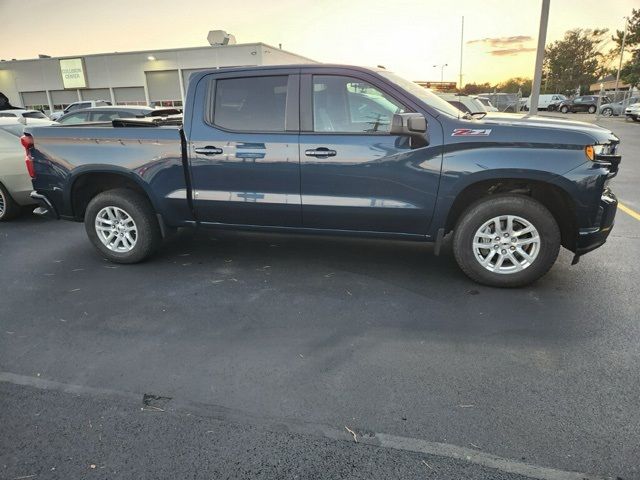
441	71
537	74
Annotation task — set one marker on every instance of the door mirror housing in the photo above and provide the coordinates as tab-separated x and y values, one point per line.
413	124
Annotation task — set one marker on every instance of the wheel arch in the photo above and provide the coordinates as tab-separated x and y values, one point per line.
85	184
557	200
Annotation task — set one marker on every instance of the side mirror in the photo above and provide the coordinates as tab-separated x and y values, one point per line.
413	124
22	120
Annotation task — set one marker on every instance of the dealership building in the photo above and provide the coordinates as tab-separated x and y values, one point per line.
151	77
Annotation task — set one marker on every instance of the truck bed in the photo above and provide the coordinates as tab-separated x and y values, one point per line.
152	157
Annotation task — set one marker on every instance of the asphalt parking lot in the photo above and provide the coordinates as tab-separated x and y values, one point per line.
257	356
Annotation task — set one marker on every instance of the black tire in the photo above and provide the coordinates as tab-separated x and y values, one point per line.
592	109
486	209
138	207
9	209
607	112
636	119
564	109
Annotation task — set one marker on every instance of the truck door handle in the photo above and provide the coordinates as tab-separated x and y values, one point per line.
321	152
208	150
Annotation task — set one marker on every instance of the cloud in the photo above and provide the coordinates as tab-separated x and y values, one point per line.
511	51
498	42
505	46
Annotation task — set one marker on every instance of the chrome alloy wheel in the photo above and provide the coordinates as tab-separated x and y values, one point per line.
116	229
3	204
506	244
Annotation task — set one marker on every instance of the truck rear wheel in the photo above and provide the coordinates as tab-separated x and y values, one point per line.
122	225
506	241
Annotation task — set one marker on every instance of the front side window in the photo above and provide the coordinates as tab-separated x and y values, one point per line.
252	104
349	105
8	115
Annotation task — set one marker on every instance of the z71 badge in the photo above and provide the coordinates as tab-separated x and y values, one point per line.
471	132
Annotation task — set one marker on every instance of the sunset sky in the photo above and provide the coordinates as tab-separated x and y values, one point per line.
406	36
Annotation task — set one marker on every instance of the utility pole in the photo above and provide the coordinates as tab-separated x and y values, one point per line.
624	39
537	74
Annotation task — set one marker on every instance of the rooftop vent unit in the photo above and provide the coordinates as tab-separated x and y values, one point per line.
220	37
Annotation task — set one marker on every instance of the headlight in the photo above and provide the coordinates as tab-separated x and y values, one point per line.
597	152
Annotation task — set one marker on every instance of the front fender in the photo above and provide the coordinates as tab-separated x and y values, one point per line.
469	163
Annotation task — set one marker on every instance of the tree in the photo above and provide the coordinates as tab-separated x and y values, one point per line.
475	88
630	72
573	62
514	84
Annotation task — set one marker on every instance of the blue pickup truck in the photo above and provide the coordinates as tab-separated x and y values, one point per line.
339	150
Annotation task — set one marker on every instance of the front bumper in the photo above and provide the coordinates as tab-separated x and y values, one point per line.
591	238
45	208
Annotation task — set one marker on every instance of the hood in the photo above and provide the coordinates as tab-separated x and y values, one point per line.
602	135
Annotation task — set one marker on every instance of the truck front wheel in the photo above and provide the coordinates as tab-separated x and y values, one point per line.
506	241
122	225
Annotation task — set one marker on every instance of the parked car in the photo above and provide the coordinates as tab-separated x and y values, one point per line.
79	106
284	148
546	101
21	113
109	113
633	112
488	106
15	182
464	103
504	102
585	103
617	108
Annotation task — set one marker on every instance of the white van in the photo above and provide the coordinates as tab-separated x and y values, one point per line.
545	100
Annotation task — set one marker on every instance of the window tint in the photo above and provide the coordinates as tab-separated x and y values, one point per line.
350	105
8	115
251	104
75	118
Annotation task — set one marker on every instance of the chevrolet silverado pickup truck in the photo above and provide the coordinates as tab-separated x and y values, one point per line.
339	150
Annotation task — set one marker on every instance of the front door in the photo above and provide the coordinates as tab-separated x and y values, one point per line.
244	157
354	174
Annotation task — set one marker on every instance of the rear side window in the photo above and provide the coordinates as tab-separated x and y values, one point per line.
34	115
106	116
251	104
75	118
13	129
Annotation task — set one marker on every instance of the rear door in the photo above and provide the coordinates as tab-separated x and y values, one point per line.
354	174
244	151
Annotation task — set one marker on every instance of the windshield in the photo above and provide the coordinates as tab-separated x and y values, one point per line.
424	94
